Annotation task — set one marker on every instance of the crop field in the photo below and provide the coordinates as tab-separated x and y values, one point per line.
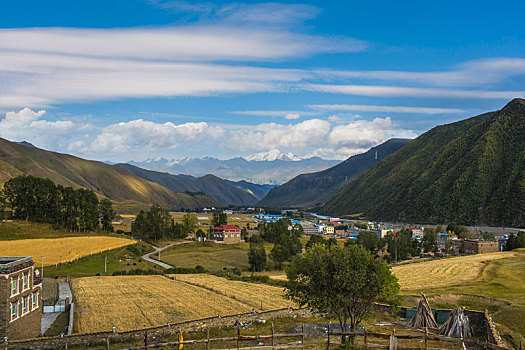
59	250
131	302
233	219
212	256
444	272
252	294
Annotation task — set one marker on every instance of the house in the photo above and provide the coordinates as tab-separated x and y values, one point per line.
20	298
442	240
229	234
309	228
417	232
480	247
328	230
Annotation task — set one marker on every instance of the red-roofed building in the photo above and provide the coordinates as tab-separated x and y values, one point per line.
229	234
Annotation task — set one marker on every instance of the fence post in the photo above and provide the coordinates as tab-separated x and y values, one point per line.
238	336
208	339
107	343
273	338
366	338
392	343
302	336
328	337
145	339
426	338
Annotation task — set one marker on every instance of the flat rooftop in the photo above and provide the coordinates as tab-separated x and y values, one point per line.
12	263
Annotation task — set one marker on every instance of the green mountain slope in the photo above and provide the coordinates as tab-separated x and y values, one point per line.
213	186
106	180
309	190
472	171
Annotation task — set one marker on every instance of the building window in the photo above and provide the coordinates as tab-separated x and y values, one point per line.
25	305
14	311
14	286
35	300
25	281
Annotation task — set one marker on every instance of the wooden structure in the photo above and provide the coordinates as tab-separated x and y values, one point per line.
457	324
423	318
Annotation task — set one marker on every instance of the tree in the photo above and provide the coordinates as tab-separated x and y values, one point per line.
200	234
369	240
314	239
190	222
460	231
257	254
107	214
287	246
462	247
343	282
219	218
429	242
400	245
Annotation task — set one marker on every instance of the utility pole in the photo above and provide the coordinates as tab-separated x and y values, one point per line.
105	263
42	274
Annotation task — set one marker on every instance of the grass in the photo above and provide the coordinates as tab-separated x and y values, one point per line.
131	302
16	229
498	285
444	272
59	326
60	250
120	259
212	256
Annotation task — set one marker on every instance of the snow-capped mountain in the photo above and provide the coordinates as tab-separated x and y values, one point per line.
273	167
272	155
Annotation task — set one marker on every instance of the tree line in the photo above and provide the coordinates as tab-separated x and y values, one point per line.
41	200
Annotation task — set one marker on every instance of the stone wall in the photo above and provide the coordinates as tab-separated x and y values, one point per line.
89	339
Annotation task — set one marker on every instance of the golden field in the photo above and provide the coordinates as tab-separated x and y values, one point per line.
59	250
132	302
444	272
252	294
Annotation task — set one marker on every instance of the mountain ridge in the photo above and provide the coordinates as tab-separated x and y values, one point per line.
313	189
471	171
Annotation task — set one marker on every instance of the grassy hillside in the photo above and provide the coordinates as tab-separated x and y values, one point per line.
309	190
213	186
106	180
471	171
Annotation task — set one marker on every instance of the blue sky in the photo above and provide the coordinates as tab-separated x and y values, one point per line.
121	80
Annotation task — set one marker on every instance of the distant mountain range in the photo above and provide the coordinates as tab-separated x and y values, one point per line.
129	192
271	167
308	190
472	172
227	192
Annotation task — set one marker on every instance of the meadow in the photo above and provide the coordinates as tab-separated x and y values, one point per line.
212	256
60	250
131	302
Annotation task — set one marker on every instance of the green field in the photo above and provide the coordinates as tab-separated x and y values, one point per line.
212	256
18	229
120	259
500	288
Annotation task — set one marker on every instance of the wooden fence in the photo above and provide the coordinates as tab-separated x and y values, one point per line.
393	341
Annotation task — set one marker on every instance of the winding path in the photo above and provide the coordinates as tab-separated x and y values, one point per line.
149	256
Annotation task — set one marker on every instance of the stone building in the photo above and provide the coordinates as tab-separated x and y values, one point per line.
480	247
229	234
20	298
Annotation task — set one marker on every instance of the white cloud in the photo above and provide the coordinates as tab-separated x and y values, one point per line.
285	114
398	91
26	125
391	109
291	116
335	119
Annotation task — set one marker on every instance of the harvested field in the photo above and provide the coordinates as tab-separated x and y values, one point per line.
444	272
251	294
131	302
59	250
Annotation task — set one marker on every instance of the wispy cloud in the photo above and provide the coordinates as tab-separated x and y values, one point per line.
277	114
400	91
390	109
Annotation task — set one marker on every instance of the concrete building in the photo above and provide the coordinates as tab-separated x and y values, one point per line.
229	234
20	298
480	247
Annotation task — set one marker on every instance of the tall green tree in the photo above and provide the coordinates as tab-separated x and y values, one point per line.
219	218
287	246
190	221
314	239
107	214
369	240
343	282
429	242
257	254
